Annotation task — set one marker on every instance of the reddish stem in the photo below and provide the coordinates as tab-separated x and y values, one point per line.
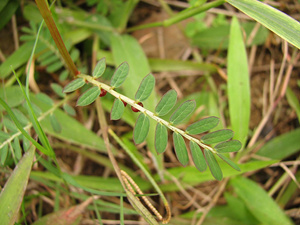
46	13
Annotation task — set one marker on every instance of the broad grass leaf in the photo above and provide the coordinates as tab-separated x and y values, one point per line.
182	112
275	20
161	138
69	109
88	97
166	103
228	146
45	98
217	136
100	68
258	202
55	124
180	149
120	75
12	194
117	110
203	125
74	85
238	84
198	157
273	149
141	129
145	88
229	162
213	165
58	90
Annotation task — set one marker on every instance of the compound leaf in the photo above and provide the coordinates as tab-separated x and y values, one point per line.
117	109
183	111
74	85
88	97
228	146
213	165
203	125
141	128
145	88
217	136
161	138
180	149
100	68
198	156
229	162
120	75
166	103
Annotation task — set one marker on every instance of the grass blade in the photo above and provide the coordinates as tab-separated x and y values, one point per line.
12	194
183	111
141	129
180	149
166	103
275	20
238	83
161	138
145	88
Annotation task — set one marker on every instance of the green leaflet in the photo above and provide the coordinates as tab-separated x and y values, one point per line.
141	128
58	90
238	84
17	148
180	149
100	68
117	110
55	124
45	98
262	206
74	85
69	109
88	97
12	95
120	75
275	20
183	111
203	125
3	154
228	146
161	138
197	156
166	103
229	162
213	165
217	136
145	88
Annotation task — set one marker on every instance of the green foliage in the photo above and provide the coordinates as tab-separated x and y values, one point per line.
141	129
88	96
183	111
145	88
166	103
117	110
198	156
120	75
161	138
180	149
74	85
203	125
100	68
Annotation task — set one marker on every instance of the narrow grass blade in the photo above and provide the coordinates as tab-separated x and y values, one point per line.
100	68
198	157
88	97
145	88
180	149
213	165
238	83
275	20
161	138
184	110
120	75
203	125
166	103
258	202
12	194
117	110
228	146
141	129
217	136
74	85
229	162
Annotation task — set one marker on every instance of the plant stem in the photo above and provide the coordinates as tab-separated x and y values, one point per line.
180	16
143	110
45	12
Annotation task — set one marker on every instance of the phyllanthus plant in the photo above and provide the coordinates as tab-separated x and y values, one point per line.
203	150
